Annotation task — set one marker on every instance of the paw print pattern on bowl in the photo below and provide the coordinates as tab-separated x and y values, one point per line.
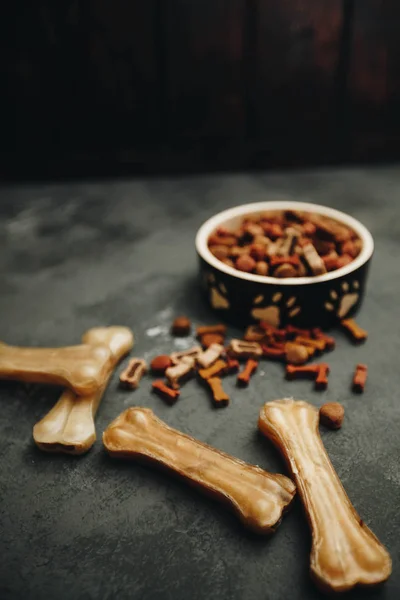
343	301
218	293
272	313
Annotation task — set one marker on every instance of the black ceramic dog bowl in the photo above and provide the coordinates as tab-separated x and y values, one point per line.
244	298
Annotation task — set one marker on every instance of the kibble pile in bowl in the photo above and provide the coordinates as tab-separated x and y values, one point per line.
286	243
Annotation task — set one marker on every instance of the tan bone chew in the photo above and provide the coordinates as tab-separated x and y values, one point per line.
182	370
69	426
194	352
243	350
82	368
258	498
314	260
131	376
207	358
344	553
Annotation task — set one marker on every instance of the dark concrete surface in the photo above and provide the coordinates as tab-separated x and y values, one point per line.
78	255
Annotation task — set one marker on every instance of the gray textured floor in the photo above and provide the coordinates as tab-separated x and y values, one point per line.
77	255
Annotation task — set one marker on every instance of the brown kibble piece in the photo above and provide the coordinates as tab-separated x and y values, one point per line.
220	252
295	353
165	392
160	363
245	263
131	376
205	329
323	246
360	378
181	326
343	260
244	377
219	396
211	338
253	229
262	268
285	271
331	261
237	251
356	333
257	251
331	414
284	260
222	240
309	228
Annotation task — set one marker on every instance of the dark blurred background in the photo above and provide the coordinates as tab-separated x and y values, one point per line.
149	86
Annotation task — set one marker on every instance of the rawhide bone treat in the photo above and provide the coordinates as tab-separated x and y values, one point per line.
194	352
356	333
274	244
209	356
180	372
243	378
131	376
81	368
69	426
360	378
165	392
258	498
219	396
243	350
344	553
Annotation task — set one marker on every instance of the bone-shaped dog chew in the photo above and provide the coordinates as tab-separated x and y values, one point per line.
69	426
82	368
344	551
259	498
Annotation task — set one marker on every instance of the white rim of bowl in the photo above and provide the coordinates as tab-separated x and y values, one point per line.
246	209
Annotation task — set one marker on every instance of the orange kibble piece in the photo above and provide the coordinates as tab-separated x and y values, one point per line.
245	263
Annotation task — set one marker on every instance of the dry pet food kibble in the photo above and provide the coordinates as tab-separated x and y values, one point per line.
219	396
160	363
244	377
194	352
331	415
279	244
133	373
182	371
212	354
360	378
355	332
165	392
181	326
211	338
242	350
